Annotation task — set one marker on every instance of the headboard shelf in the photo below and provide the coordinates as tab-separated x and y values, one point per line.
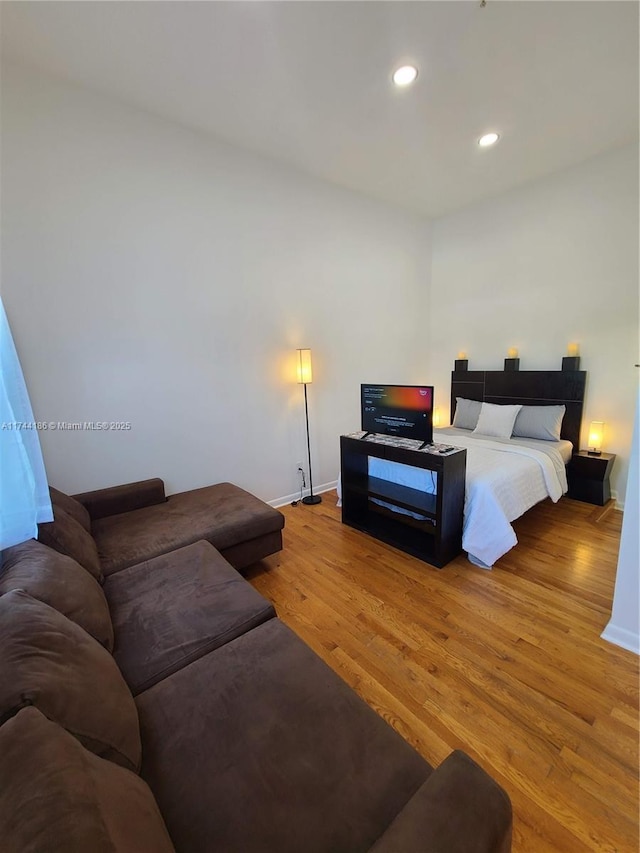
526	388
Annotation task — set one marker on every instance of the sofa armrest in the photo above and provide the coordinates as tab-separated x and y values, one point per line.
129	496
459	809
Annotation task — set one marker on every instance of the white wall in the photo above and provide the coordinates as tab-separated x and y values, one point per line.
624	626
551	263
154	276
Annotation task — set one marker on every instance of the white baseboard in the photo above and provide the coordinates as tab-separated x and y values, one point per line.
619	503
287	499
621	637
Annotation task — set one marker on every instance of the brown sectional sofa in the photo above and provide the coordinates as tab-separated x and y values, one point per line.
151	700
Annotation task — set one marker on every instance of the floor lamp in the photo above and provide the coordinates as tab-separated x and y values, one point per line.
305	377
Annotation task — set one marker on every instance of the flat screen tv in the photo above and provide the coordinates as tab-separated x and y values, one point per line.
402	410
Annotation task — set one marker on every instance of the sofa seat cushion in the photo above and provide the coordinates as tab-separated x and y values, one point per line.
175	608
61	583
51	663
260	746
224	515
56	797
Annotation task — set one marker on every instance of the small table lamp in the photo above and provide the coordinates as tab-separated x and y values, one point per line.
596	432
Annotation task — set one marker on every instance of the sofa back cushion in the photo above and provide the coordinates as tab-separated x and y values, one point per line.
50	662
72	506
56	797
68	536
61	583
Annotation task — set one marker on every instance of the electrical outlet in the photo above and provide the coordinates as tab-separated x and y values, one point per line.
301	475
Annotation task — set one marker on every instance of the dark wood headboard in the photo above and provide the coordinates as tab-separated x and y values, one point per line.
527	388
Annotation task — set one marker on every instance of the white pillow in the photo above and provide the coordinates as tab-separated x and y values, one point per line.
497	421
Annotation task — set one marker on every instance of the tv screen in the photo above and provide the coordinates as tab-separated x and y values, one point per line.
402	410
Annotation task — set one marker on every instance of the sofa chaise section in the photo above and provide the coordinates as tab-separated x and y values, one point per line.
136	522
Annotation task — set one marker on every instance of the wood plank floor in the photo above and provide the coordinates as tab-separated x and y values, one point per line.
507	665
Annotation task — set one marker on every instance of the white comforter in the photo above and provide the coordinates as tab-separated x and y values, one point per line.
503	481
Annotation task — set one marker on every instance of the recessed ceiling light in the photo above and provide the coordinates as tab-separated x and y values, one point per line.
405	75
488	139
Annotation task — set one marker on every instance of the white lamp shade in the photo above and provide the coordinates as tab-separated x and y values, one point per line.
596	432
305	373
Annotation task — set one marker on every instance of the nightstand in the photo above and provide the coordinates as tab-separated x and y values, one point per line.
588	477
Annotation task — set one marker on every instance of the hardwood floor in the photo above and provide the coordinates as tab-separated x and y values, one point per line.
507	665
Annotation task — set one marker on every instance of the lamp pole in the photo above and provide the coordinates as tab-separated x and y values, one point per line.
310	498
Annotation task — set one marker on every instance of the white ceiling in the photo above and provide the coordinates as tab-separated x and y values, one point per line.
308	83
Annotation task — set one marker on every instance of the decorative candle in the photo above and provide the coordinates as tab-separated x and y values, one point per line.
573	350
462	355
512	352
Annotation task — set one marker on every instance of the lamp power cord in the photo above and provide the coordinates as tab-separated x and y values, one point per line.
303	485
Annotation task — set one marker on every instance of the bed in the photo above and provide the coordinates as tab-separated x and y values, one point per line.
541	412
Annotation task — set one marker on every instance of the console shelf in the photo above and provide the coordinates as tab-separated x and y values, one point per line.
400	496
435	538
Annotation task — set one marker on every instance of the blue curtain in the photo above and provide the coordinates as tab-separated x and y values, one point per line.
24	493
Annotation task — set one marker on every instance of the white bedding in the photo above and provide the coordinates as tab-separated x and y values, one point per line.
505	478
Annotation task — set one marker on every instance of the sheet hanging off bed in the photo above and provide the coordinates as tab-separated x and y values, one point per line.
505	478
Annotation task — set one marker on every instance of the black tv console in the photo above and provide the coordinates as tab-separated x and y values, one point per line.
437	538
